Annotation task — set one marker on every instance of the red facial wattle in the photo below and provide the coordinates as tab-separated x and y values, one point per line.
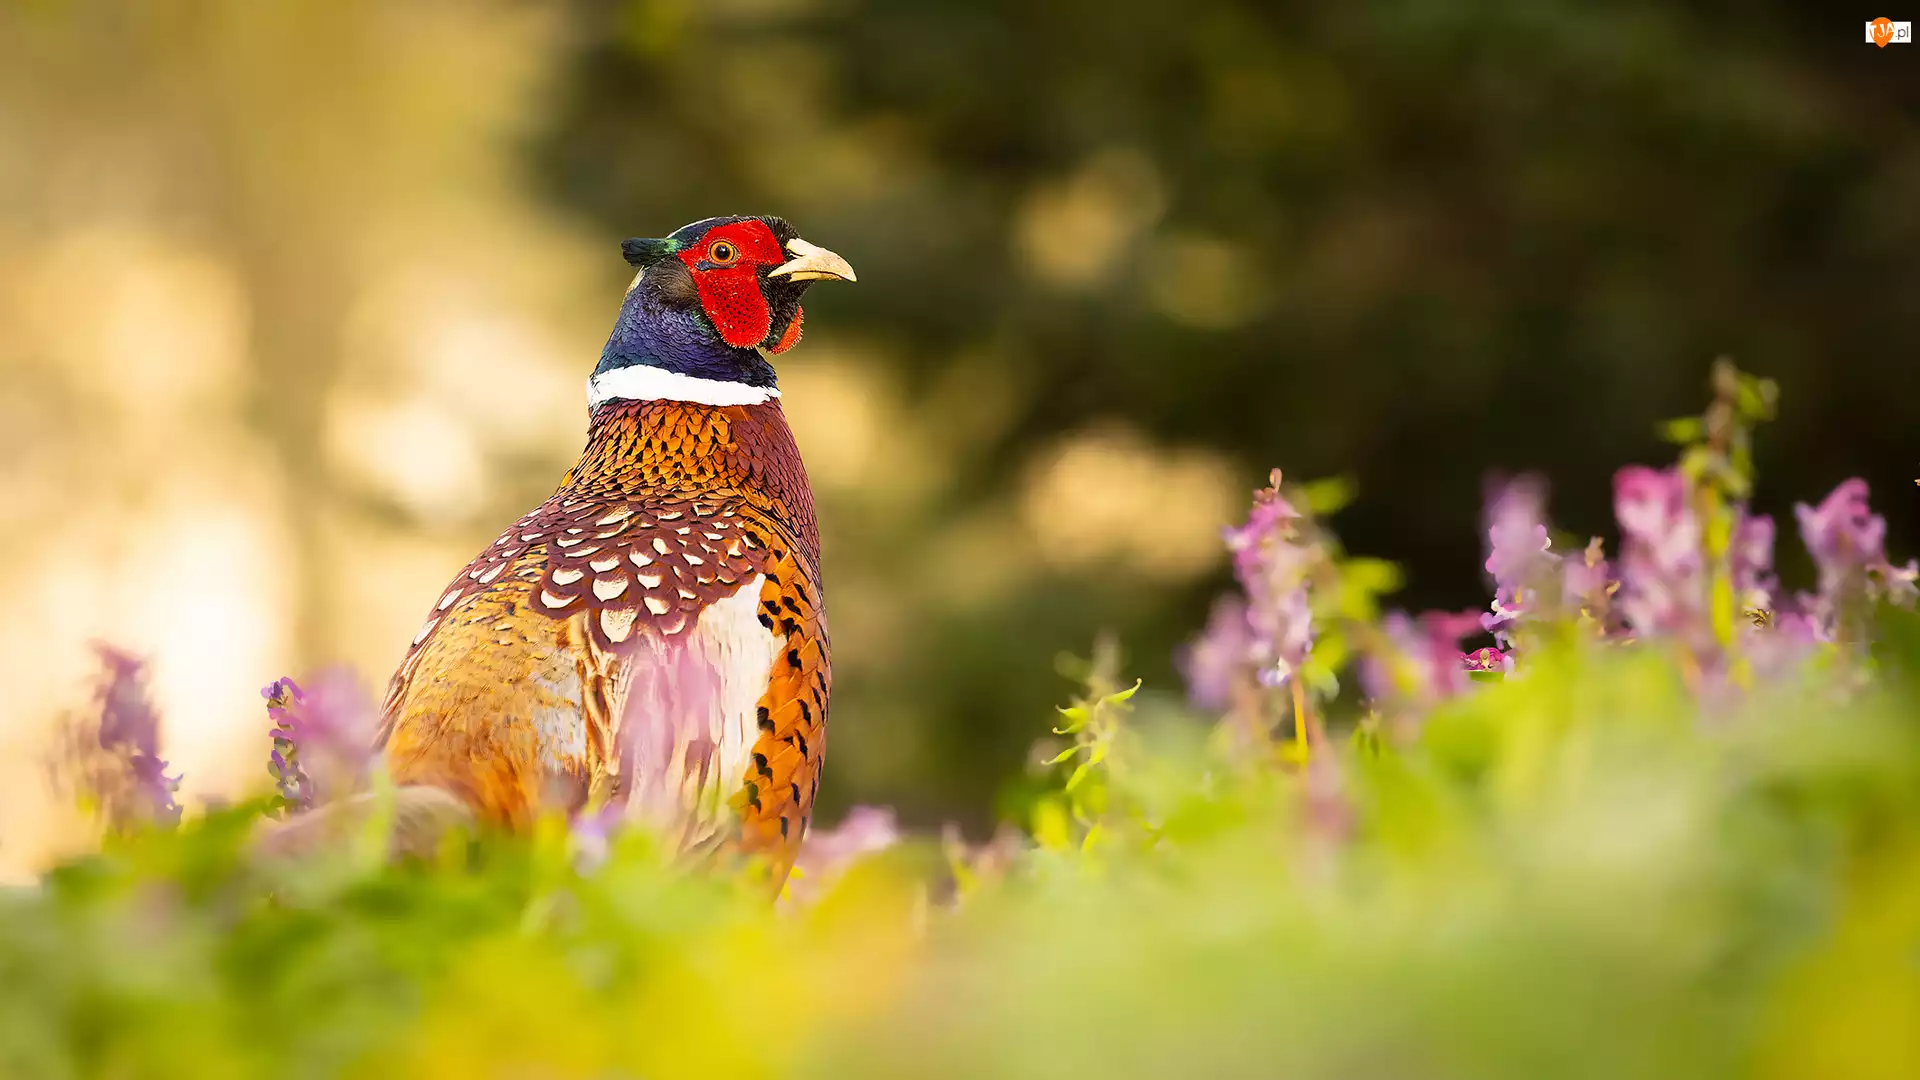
730	287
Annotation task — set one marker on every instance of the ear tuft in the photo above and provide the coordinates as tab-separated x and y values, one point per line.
644	252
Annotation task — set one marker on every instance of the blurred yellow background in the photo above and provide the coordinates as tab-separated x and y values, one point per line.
253	256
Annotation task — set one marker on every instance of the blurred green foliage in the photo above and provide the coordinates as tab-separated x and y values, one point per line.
1409	243
1578	873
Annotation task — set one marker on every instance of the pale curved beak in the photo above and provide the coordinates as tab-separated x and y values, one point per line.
811	262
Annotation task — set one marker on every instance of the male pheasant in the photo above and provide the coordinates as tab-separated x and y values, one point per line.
652	637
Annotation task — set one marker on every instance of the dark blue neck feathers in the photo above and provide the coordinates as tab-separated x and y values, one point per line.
672	334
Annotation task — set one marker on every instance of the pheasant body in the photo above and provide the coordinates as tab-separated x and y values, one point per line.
652	636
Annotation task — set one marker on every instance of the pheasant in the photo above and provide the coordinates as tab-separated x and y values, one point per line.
651	640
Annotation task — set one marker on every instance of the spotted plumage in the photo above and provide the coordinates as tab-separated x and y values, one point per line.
653	635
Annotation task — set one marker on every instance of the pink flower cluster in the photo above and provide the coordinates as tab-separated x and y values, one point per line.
133	786
1663	587
1269	628
322	736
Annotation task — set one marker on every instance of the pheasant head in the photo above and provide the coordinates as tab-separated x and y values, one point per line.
704	303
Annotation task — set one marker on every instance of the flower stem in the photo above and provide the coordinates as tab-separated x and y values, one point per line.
1299	717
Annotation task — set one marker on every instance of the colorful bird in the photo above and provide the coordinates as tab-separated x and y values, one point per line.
651	640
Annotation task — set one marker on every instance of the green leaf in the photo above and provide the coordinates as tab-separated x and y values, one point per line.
1685	430
1896	647
1079	776
1327	496
1756	398
1094	832
1328	656
1322	681
1052	827
1722	611
1371	577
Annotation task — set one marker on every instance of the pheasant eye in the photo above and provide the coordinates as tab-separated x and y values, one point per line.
722	252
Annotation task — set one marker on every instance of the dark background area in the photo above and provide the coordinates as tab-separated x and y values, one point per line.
1462	238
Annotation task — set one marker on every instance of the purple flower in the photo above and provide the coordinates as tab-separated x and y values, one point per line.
1843	534
136	787
1283	624
865	829
322	737
1271	517
1773	640
1797	628
1587	585
1519	554
283	696
1487	659
1273	564
1261	637
1783	642
1663	578
1750	560
1425	665
127	718
1220	657
1848	543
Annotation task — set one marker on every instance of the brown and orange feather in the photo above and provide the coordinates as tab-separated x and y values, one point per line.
575	658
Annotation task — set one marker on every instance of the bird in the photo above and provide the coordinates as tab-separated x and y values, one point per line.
651	641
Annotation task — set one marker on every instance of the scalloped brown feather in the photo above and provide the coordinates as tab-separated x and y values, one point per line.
609	644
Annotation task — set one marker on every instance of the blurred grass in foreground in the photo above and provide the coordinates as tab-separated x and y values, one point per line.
1568	875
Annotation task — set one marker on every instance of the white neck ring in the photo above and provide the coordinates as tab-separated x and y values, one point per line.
642	383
